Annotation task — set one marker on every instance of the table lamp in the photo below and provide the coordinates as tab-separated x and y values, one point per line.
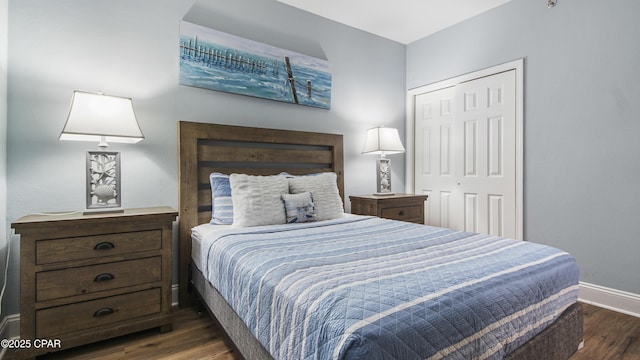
102	118
383	141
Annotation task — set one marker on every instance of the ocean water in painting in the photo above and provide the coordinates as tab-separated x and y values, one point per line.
218	61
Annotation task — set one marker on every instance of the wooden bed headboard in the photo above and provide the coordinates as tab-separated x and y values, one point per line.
206	148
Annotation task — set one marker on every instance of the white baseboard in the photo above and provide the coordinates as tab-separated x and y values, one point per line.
612	299
9	329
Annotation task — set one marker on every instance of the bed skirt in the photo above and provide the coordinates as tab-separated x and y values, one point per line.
557	342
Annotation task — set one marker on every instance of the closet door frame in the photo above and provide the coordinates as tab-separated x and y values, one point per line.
518	66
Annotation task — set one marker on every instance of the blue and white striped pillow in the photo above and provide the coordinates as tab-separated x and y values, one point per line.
221	203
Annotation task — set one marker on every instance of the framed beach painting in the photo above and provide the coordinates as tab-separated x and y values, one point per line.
215	60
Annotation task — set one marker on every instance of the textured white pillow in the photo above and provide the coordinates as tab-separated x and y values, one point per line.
324	188
257	200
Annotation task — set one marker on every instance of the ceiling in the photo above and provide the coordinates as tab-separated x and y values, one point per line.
403	21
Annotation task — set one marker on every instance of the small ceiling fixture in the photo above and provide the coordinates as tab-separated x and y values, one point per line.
551	3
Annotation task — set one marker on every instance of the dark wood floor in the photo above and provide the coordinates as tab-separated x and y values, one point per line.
608	336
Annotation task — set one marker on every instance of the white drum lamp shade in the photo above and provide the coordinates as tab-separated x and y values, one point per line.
382	141
98	117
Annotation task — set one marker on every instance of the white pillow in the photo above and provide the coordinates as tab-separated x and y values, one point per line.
257	200
324	187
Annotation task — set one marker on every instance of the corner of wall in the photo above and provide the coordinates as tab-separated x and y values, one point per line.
4	47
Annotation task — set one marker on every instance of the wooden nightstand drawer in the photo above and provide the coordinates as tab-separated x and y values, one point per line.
89	279
89	314
402	213
404	207
86	247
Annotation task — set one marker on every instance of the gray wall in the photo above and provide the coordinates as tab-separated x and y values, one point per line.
130	48
581	144
4	17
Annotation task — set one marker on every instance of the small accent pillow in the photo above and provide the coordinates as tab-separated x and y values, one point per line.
326	197
257	199
299	208
221	204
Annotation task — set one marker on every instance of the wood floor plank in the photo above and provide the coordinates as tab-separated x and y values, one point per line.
192	337
608	336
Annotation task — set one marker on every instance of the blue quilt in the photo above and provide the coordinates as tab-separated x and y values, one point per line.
368	288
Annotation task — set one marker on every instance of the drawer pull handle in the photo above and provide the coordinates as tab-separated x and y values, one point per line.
104	246
104	277
401	213
103	312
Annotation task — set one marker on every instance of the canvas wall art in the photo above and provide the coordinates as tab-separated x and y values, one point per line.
219	61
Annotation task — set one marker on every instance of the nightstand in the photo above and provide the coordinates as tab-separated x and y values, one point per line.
405	207
86	278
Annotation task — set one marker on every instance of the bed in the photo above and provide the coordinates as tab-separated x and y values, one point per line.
270	333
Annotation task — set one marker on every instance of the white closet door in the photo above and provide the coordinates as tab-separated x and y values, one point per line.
485	125
434	165
465	155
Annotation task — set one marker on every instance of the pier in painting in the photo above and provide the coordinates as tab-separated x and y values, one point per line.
218	61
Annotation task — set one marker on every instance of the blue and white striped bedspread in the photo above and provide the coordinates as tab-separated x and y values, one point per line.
369	288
